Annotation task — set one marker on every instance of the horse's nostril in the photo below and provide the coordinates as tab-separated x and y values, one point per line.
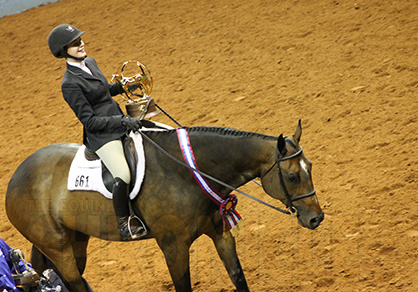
315	221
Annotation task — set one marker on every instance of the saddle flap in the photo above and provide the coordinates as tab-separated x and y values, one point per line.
131	157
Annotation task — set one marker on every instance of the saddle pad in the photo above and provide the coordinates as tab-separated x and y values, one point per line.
86	175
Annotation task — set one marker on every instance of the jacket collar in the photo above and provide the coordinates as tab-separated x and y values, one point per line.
78	71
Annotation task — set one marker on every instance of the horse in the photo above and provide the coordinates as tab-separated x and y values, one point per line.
59	222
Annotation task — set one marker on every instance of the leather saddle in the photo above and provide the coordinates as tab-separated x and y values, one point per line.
130	156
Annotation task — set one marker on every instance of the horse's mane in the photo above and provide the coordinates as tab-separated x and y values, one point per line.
222	131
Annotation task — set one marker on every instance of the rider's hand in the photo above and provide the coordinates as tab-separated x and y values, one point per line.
131	123
133	87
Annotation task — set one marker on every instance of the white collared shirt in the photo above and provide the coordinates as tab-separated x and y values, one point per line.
81	65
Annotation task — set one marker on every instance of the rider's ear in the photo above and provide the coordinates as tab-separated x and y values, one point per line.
281	145
298	132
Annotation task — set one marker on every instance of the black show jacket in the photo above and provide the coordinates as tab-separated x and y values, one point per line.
90	97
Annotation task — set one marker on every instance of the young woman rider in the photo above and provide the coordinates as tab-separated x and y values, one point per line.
89	95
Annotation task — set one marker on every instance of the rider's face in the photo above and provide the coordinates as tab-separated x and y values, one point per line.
76	48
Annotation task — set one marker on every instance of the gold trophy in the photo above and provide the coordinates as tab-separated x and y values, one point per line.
136	81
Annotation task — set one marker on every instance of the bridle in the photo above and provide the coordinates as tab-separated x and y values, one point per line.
289	199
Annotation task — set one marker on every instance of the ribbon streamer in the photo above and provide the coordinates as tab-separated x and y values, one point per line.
230	216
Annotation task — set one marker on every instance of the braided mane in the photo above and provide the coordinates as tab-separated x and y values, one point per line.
223	131
228	132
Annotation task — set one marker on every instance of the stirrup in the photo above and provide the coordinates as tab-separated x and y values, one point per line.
144	229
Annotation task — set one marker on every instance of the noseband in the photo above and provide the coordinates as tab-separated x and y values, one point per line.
289	199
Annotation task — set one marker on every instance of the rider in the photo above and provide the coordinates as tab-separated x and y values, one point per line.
89	94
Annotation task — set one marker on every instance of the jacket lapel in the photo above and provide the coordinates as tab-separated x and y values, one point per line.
77	71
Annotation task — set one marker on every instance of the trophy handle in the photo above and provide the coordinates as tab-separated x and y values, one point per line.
137	89
136	86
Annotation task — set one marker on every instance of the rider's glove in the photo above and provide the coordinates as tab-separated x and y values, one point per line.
131	123
133	87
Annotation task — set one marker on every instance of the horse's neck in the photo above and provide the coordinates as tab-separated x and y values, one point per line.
235	158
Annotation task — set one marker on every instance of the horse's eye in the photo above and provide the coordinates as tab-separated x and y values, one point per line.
294	178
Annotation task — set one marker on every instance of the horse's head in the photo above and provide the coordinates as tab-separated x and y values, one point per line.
289	180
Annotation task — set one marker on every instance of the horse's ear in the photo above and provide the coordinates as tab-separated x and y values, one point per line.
298	132
281	145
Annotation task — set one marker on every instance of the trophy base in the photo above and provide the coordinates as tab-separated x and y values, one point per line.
142	109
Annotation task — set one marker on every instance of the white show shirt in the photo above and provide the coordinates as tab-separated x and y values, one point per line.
81	65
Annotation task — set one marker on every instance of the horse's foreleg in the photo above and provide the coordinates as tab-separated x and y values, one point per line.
176	252
225	245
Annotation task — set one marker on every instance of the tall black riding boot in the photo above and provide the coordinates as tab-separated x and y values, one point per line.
130	227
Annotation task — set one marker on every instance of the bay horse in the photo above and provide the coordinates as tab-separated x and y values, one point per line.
59	222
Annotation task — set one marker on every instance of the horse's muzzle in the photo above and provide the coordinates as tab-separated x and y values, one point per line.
315	221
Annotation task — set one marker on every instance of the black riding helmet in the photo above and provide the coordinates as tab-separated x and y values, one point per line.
62	36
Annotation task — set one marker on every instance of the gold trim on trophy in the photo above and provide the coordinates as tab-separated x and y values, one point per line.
136	81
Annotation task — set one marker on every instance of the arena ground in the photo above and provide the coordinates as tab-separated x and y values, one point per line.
348	69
